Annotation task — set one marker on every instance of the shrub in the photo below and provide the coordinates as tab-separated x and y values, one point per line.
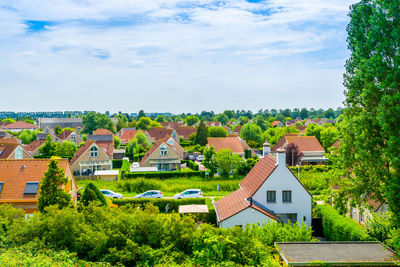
340	228
192	165
116	163
173	204
163	175
92	193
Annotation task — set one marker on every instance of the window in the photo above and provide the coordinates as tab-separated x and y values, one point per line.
361	217
18	153
286	196
73	137
163	150
31	187
1	186
93	151
271	196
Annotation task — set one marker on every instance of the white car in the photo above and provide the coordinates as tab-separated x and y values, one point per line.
190	193
150	194
109	193
200	158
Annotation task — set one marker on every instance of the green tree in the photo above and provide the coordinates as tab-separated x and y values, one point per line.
314	130
371	123
217	131
191	120
161	118
8	120
209	161
230	114
121	124
50	192
66	149
227	162
244	120
329	136
141	114
144	123
117	142
49	147
57	130
91	194
93	121
260	121
222	118
280	118
201	134
27	136
252	132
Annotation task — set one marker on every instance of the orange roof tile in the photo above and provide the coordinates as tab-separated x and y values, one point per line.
102	132
231	142
64	135
6	149
158	133
20	125
107	146
81	150
129	134
305	143
185	131
9	140
34	145
14	176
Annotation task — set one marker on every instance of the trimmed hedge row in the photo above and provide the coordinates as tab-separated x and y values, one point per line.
192	165
341	228
185	143
117	163
313	168
161	203
39	156
163	175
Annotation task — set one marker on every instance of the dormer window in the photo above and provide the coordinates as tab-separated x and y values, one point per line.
31	188
171	141
73	137
163	150
93	152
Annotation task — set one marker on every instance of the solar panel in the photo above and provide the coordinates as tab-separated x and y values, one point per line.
1	186
31	187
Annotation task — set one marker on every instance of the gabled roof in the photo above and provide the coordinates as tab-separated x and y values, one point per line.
158	133
185	131
9	141
129	134
175	148
281	142
15	173
214	123
6	149
81	150
64	135
231	142
275	123
305	143
34	145
20	125
102	132
107	146
237	129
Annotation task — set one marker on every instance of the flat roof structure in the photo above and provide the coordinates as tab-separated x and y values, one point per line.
337	253
193	208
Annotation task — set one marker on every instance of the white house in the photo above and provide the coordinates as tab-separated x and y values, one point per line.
270	191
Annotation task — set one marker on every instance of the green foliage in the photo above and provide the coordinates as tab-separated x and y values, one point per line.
209	160
315	130
192	165
163	175
161	203
144	123
117	142
137	146
217	131
246	166
57	130
227	162
93	121
341	228
272	135
379	226
191	120
222	118
261	122
66	150
125	168
50	192
252	132
27	136
201	134
90	194
328	137
8	120
116	163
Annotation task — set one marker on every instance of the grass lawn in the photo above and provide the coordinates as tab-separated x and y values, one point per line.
169	187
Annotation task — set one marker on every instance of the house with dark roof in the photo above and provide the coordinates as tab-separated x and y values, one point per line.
104	139
33	147
19	126
313	152
11	150
90	158
20	180
185	131
269	192
165	154
68	135
128	134
159	133
236	144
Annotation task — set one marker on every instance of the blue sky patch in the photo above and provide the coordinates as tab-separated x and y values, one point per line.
37	25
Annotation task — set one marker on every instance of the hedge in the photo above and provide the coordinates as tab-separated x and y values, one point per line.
117	163
313	168
39	156
185	143
340	228
163	175
161	203
192	165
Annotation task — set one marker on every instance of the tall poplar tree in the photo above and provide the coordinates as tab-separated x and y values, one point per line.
201	134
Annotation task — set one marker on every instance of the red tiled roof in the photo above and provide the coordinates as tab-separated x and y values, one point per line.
282	141
237	129
302	129
102	132
64	135
337	144
305	143
231	142
185	131
20	125
107	146
151	150
214	123
275	123
129	134
81	150
15	177
158	133
9	140
6	149
34	145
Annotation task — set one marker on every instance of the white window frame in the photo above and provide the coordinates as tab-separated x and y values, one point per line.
94	153
163	150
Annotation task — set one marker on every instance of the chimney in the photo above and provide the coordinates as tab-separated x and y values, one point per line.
281	157
266	148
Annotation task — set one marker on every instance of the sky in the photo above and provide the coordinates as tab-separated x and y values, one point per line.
172	55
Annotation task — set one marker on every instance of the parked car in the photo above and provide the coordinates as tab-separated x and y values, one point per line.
79	193
190	193
192	157
200	158
109	193
150	194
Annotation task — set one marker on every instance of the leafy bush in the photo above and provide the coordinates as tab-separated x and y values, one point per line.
116	163
90	194
163	175
192	165
173	204
341	228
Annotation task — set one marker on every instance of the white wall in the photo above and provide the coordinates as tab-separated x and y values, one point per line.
247	216
282	179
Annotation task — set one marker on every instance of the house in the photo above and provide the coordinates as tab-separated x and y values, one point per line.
20	179
361	215
172	124
13	151
158	133
269	192
51	123
19	126
33	147
302	129
313	152
237	129
128	134
214	124
7	135
277	124
89	158
185	131
104	139
234	143
166	154
70	136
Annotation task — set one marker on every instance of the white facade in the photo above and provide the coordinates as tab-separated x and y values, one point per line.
282	179
246	216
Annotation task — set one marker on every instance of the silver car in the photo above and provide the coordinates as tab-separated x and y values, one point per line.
190	193
150	194
109	193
